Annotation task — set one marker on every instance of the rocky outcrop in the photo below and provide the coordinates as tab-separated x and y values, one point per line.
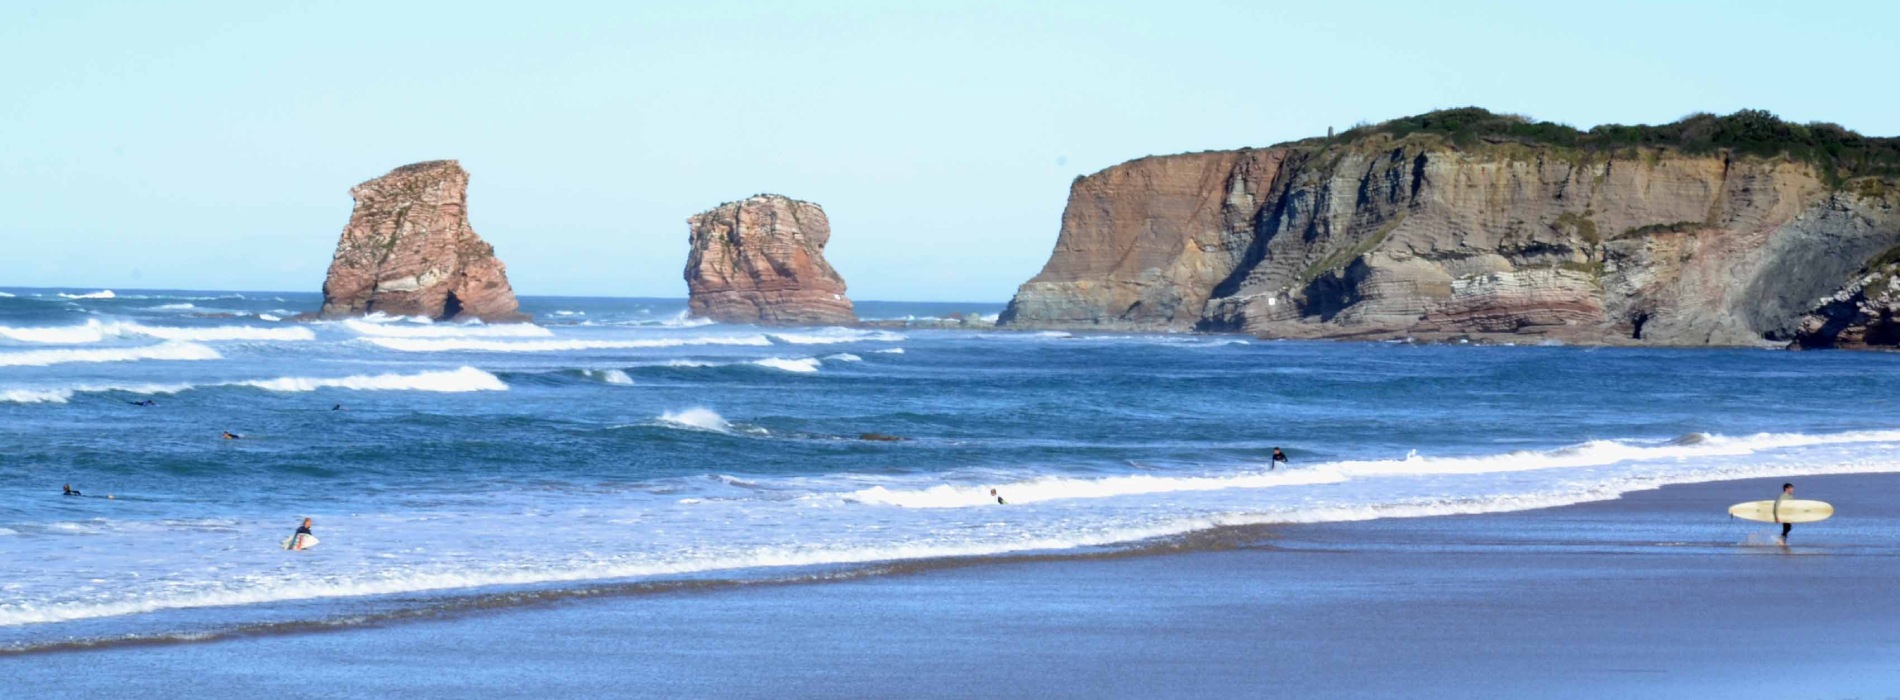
1391	232
409	251
1865	313
762	260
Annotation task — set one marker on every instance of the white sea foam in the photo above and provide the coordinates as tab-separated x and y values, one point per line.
4	295
94	330
164	351
184	306
477	344
1597	453
101	294
843	357
829	336
685	319
801	365
610	376
35	395
698	418
465	379
1046	537
386	329
450	381
890	351
270	317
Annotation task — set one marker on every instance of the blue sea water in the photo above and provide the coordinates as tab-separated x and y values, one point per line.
620	440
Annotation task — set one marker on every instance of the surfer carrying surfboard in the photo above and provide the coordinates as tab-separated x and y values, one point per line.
1787	494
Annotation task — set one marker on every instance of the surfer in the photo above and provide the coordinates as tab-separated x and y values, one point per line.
337	407
228	435
1787	494
71	492
1279	458
146	402
999	499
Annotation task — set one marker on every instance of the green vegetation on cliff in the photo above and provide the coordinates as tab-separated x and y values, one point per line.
1838	153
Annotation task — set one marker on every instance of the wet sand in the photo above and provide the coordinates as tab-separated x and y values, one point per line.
1658	594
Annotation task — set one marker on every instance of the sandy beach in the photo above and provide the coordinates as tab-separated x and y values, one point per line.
1658	594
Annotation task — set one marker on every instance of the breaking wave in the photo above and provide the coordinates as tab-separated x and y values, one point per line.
829	336
609	376
165	351
465	379
94	331
1597	453
481	345
802	365
101	294
446	330
698	419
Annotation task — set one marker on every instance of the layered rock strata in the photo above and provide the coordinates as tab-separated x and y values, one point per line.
409	251
1865	313
1385	235
762	260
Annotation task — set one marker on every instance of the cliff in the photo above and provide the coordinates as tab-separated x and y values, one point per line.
1864	313
1708	231
761	260
409	251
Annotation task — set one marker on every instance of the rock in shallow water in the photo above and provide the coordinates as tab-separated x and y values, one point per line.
409	251
761	260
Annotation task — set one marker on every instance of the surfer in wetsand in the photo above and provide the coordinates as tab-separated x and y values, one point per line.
1787	494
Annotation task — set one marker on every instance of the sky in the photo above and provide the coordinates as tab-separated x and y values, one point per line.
212	145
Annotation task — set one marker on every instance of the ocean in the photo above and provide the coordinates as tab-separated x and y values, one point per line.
620	443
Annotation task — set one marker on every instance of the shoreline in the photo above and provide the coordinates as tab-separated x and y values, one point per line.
1672	552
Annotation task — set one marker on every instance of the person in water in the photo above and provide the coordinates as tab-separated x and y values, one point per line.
1279	458
71	492
999	499
296	538
337	407
228	435
1787	494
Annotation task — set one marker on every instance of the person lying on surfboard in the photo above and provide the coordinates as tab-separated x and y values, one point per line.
71	492
1787	494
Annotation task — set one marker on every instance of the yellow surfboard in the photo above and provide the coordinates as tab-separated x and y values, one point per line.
1792	511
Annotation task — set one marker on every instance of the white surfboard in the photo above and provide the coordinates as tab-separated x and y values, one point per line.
1792	511
300	541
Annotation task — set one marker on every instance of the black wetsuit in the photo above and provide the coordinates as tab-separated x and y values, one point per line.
305	531
1279	458
71	492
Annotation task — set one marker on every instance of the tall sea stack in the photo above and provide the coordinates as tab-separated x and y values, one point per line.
1734	230
409	251
762	260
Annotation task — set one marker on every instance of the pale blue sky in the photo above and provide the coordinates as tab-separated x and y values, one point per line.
212	145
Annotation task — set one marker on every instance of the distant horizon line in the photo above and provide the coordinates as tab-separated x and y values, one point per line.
111	288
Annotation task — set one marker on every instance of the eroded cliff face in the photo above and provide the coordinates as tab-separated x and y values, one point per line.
1392	236
1865	313
409	251
761	260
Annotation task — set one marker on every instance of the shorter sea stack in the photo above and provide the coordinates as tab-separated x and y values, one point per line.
409	251
762	260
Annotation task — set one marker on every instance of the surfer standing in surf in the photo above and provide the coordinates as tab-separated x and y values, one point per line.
1787	494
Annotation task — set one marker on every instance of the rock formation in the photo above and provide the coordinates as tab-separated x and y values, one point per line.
1713	230
761	260
1863	314
409	251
